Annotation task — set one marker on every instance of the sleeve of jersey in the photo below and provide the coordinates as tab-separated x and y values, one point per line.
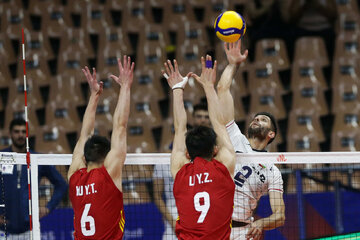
276	181
238	139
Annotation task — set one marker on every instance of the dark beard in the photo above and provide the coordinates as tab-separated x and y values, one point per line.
259	133
19	146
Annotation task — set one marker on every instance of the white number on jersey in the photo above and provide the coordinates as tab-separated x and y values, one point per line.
85	218
202	208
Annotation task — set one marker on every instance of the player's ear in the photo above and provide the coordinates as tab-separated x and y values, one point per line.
187	155
216	150
271	134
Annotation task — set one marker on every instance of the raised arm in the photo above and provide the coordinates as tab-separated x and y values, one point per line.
226	153
115	159
177	84
87	128
235	58
275	220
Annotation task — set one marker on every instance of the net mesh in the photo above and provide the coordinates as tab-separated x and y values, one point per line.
321	195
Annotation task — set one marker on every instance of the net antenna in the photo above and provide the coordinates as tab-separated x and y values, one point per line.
28	162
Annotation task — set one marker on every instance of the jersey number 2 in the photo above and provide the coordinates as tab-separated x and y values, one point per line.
85	218
203	208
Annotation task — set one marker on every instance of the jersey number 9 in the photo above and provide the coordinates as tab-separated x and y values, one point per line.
203	208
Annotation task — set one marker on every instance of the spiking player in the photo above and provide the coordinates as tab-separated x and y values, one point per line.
203	186
96	168
252	180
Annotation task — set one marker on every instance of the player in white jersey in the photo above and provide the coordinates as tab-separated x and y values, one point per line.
164	183
252	180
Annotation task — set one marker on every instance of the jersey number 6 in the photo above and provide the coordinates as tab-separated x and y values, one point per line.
203	208
85	218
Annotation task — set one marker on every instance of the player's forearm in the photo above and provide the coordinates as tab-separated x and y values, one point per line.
122	110
215	113
180	118
277	219
226	78
89	116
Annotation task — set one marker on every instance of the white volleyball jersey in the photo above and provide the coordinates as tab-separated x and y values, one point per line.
252	180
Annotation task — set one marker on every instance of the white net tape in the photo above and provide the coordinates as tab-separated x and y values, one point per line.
342	159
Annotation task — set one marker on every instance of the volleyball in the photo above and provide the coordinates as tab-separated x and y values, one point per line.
230	26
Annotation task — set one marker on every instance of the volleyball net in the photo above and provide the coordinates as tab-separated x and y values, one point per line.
321	194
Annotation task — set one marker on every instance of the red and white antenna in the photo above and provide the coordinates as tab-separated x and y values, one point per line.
27	135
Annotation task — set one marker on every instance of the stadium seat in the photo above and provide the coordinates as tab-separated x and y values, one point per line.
308	96
70	65
114	12
37	69
175	13
348	22
304	71
192	33
190	100
63	115
210	10
346	97
107	62
105	111
16	93
346	120
264	75
75	14
139	137
7	54
95	20
238	91
188	57
66	88
151	51
114	38
51	139
54	23
345	71
305	121
5	139
311	49
345	140
272	51
5	77
37	44
136	15
266	99
147	110
347	6
147	82
303	142
167	135
17	110
13	20
76	40
347	46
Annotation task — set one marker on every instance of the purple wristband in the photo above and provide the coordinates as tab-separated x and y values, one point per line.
208	64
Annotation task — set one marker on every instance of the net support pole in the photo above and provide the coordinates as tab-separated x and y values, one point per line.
301	214
339	227
35	200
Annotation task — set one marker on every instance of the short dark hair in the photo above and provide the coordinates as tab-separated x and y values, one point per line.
273	125
200	106
17	122
200	142
96	148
